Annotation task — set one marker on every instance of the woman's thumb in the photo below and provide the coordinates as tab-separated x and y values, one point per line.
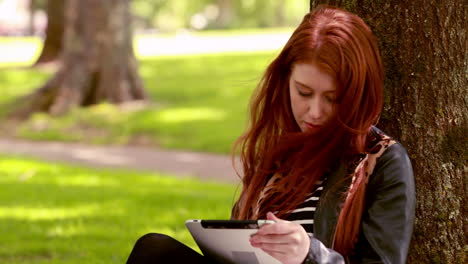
271	216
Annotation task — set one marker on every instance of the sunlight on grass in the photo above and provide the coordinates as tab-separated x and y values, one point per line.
16	51
190	114
66	231
13	169
35	214
211	43
86	180
53	213
19	82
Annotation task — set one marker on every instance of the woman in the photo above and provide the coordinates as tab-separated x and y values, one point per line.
338	188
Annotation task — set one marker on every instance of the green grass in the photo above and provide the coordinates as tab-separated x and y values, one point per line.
18	51
52	213
198	102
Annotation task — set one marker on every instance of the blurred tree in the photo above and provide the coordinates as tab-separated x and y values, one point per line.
34	6
280	14
424	48
32	10
54	32
145	12
225	13
98	60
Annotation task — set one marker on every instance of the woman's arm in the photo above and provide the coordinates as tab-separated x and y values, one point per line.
387	224
320	254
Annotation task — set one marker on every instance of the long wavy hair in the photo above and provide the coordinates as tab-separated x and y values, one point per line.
340	44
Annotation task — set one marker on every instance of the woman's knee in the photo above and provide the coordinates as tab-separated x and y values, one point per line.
151	239
160	248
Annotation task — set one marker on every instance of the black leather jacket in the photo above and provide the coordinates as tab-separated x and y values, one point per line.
388	217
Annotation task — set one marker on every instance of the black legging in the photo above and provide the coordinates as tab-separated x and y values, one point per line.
159	248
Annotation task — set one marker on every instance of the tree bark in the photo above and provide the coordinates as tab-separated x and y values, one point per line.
424	48
54	32
98	60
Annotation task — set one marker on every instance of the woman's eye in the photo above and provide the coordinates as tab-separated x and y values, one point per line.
330	99
305	94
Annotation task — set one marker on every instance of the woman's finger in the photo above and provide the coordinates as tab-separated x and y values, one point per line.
276	247
278	228
277	255
283	228
291	238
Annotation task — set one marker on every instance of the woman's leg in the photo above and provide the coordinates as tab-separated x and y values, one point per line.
159	248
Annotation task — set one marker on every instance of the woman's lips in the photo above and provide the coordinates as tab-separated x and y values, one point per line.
311	126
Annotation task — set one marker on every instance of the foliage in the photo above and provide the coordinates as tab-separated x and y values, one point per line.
52	213
168	15
40	4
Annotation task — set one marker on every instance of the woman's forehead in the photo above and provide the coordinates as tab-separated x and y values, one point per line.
311	76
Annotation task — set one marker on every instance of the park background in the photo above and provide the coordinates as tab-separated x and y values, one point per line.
198	62
198	83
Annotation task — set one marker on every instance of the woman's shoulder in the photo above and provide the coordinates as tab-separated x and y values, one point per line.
393	164
393	150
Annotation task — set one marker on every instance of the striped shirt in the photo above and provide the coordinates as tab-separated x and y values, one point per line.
304	214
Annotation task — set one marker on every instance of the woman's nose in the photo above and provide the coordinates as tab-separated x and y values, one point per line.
315	109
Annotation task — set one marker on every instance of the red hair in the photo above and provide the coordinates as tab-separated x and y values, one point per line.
343	46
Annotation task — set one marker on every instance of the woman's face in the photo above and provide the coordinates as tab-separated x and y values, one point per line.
312	94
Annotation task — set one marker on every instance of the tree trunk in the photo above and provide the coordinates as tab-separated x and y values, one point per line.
280	13
424	48
32	11
54	31
98	60
226	13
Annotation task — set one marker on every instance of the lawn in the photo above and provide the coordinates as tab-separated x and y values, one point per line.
65	214
198	102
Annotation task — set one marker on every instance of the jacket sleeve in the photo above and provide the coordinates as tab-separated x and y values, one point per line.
320	254
387	221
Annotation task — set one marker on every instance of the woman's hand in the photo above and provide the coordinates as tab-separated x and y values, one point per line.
286	241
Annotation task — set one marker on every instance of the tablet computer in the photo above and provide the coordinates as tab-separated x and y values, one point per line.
227	241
